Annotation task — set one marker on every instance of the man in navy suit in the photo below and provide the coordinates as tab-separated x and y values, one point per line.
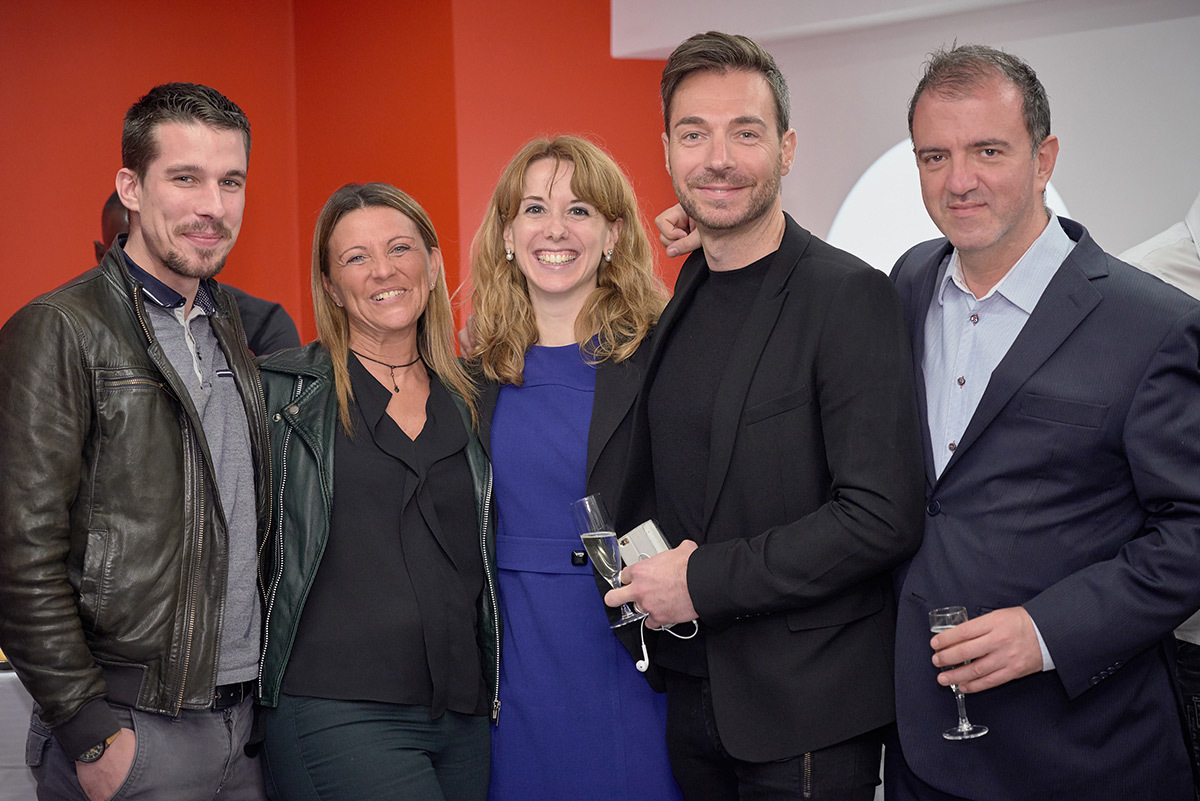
1061	395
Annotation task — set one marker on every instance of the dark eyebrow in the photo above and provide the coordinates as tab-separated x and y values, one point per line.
925	151
693	120
750	119
990	143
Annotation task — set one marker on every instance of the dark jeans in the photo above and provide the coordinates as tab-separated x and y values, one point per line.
705	771
362	750
196	755
1187	666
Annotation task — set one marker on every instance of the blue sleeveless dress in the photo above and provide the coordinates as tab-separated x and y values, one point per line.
577	720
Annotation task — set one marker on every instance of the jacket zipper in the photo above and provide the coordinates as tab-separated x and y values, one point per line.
262	403
133	381
487	508
192	586
807	778
270	599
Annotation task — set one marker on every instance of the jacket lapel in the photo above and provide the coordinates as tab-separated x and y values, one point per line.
690	277
617	388
1067	300
744	355
925	288
489	391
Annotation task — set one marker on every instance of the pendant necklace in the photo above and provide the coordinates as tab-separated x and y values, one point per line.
392	367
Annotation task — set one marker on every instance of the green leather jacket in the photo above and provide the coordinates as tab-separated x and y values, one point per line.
113	554
302	417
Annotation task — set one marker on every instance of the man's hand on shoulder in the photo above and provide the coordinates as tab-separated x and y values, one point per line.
658	586
677	232
101	779
1002	646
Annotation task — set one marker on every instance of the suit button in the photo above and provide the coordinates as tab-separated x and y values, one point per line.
579	558
933	508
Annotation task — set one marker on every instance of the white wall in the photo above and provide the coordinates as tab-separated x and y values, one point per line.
1123	78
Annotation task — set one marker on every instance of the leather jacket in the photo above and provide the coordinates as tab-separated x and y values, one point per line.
302	410
113	544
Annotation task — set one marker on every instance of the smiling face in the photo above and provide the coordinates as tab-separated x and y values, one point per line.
981	179
186	210
381	273
557	239
723	151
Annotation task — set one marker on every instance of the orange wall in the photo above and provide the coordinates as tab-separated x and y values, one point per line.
68	72
433	97
542	67
375	87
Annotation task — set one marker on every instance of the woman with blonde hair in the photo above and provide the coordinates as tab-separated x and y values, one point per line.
564	295
382	632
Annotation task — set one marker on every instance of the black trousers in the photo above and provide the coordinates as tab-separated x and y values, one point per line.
705	771
1188	669
325	750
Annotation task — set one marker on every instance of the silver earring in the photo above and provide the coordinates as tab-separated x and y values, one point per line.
608	255
508	254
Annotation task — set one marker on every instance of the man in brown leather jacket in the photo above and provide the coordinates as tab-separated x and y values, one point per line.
135	483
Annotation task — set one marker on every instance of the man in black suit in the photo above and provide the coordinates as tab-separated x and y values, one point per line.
780	413
1060	396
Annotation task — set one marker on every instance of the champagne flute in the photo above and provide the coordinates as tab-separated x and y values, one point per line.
600	541
942	619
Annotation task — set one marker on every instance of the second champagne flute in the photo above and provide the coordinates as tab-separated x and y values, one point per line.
947	617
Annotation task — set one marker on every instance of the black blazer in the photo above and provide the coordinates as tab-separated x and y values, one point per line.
813	496
1075	493
617	386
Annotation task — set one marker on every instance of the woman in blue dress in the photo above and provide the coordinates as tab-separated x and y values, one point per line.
564	293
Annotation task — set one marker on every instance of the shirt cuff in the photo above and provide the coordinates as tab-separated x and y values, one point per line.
1047	661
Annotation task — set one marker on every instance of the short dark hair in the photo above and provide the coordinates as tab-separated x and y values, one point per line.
724	52
962	69
187	103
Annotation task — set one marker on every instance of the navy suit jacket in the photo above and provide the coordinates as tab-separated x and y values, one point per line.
1074	492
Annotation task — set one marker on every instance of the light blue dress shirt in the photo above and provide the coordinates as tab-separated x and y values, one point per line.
966	337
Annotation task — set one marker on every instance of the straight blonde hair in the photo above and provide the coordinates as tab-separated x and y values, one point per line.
435	326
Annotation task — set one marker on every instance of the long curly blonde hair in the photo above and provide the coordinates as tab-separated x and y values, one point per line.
628	297
435	327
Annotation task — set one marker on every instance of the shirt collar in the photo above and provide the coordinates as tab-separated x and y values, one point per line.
162	295
1024	283
1192	220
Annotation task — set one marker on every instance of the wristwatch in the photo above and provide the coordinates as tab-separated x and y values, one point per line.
97	750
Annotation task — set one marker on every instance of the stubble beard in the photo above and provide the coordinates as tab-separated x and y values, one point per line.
762	197
207	263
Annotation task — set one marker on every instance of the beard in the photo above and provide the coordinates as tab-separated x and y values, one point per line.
720	215
208	262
